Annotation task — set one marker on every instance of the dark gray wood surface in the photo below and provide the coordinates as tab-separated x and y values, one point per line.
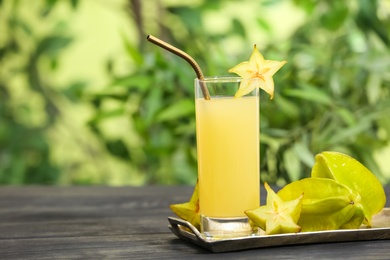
126	223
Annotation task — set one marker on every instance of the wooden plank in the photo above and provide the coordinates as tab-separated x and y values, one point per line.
165	246
75	212
124	222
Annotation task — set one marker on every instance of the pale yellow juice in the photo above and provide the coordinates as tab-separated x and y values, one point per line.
228	155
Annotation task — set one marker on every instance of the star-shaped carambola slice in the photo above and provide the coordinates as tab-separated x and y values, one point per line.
189	210
256	73
277	216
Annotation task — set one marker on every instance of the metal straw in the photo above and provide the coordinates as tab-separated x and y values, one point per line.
185	56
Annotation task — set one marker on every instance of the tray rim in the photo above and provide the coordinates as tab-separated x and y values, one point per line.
187	232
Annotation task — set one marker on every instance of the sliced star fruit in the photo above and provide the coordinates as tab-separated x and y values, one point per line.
256	73
277	216
189	211
348	171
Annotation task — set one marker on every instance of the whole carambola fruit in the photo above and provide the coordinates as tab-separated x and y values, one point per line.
348	171
326	204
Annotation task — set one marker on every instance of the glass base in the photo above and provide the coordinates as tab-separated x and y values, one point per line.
222	228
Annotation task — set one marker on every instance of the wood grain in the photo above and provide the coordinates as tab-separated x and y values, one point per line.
125	223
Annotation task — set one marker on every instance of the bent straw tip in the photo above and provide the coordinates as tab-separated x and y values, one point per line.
183	55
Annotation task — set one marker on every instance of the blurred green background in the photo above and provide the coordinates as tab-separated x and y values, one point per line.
86	100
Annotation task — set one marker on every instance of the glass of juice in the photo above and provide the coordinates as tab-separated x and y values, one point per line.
227	132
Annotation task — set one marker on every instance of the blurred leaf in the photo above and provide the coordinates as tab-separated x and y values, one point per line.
133	52
75	91
190	17
347	116
287	107
292	164
52	45
369	22
48	7
74	3
304	154
308	5
238	28
102	115
118	148
214	5
139	82
17	23
153	102
373	87
335	18
349	133
377	64
182	108
384	127
309	93
264	25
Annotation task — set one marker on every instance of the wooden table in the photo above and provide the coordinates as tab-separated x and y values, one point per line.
129	223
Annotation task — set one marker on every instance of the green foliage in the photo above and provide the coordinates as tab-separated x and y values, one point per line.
30	101
163	118
338	81
333	94
25	149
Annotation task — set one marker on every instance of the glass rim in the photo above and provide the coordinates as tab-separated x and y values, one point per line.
215	79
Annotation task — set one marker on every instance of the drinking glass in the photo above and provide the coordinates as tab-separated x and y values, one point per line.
227	132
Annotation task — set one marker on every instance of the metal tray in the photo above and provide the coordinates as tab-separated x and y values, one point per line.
380	230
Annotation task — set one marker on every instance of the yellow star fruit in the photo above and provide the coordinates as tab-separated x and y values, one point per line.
348	171
189	211
277	216
257	73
